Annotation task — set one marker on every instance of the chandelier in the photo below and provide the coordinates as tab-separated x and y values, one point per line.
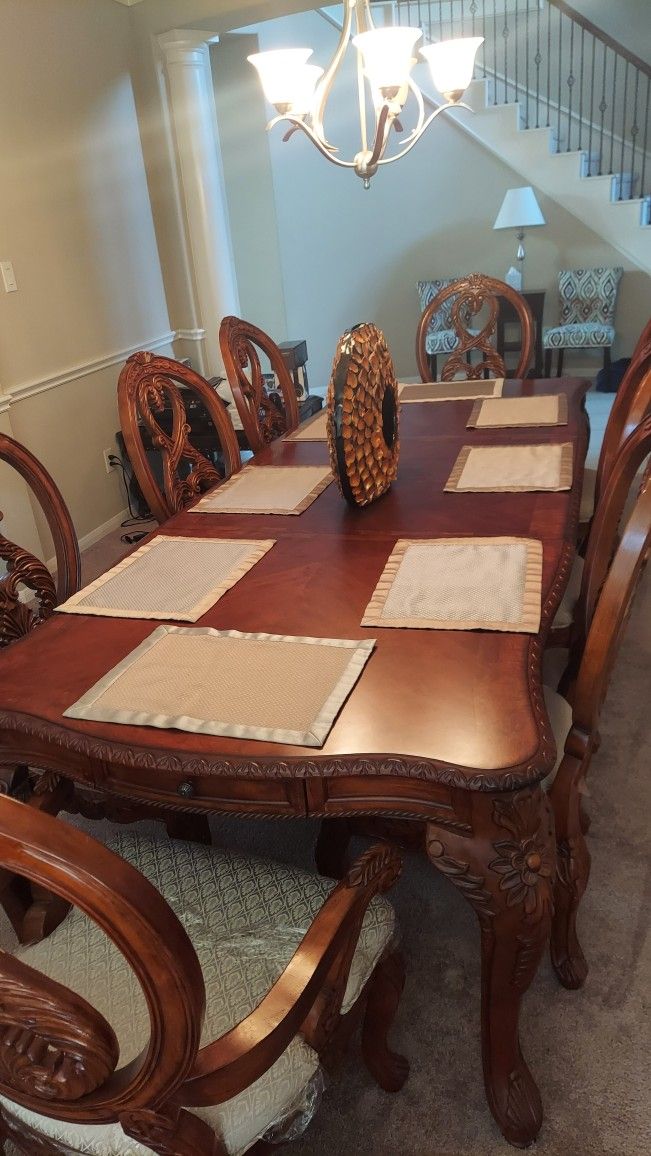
300	90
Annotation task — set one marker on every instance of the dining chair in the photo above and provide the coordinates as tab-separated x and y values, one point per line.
189	1000
470	296
261	418
587	299
17	615
152	395
609	584
632	406
440	337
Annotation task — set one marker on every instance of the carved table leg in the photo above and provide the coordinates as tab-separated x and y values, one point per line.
573	871
506	872
330	853
385	988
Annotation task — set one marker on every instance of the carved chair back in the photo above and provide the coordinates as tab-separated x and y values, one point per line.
23	569
631	405
262	420
613	566
471	295
148	386
59	1056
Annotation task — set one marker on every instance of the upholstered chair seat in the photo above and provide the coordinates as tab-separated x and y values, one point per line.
245	918
578	336
560	717
565	613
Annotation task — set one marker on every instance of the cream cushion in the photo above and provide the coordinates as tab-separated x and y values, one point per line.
245	918
560	717
565	613
587	495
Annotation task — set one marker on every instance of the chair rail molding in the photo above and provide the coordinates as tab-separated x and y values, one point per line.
14	393
197	154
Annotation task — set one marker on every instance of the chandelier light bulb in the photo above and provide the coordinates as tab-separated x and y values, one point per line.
388	55
452	63
282	73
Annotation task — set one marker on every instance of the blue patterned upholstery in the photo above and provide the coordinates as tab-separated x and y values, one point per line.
441	337
587	309
578	336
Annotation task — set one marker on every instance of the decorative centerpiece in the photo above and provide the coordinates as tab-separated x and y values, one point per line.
362	421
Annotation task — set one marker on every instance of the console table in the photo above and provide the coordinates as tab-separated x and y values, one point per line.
508	316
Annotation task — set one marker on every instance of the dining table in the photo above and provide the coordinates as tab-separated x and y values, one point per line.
445	730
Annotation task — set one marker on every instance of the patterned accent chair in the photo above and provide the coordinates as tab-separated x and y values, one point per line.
184	1004
441	337
587	312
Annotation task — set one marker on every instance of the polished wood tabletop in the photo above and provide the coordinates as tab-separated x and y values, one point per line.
447	727
450	706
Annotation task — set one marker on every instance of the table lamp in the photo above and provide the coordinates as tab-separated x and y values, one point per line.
520	210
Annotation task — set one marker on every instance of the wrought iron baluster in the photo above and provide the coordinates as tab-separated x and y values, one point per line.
549	59
592	68
612	119
582	58
602	108
647	109
621	159
570	85
527	78
634	132
515	30
538	60
494	51
505	38
560	73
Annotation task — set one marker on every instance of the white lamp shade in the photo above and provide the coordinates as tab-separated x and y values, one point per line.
285	74
520	210
452	63
388	55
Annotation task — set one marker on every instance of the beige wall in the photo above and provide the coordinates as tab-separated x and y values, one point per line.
76	221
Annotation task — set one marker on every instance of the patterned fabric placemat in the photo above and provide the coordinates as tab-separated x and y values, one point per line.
460	584
312	430
512	469
267	490
271	687
494	412
452	390
170	577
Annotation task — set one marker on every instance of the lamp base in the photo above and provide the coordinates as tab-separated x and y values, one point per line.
514	278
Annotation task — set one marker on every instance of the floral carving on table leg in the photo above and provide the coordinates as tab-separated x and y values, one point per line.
508	881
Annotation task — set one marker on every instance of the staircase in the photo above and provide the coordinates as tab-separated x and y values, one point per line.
561	103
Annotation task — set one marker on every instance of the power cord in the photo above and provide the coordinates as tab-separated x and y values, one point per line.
134	519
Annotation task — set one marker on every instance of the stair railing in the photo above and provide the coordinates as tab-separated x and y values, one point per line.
565	73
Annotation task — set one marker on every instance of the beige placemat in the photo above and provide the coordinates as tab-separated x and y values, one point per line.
267	490
451	390
171	577
512	468
271	687
460	584
514	411
312	430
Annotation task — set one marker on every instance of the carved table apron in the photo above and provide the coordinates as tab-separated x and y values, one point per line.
445	727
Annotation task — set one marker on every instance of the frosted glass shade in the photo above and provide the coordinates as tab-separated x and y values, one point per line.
520	210
388	55
452	63
286	76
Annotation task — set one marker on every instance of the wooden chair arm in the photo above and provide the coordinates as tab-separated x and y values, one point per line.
228	1065
137	919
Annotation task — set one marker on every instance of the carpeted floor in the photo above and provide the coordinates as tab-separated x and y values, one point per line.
587	1049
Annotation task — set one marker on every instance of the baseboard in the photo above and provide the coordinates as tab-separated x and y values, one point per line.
94	536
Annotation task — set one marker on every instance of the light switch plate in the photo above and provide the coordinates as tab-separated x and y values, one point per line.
8	276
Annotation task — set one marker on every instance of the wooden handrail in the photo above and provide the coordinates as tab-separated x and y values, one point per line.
599	34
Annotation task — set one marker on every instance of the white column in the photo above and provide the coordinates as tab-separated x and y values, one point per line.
186	54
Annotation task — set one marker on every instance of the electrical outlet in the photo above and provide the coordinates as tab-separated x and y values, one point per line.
108	454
